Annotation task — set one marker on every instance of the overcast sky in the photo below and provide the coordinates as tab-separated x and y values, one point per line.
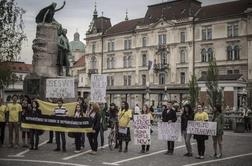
77	14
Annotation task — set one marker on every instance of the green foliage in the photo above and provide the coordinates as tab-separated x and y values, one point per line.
11	30
193	91
214	93
5	76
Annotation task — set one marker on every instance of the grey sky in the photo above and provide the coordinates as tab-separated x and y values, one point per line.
77	15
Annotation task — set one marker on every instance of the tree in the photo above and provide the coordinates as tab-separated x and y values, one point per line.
193	91
11	30
213	91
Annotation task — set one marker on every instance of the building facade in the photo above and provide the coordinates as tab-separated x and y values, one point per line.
151	59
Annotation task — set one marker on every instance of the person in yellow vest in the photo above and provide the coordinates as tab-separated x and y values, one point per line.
3	110
14	110
124	115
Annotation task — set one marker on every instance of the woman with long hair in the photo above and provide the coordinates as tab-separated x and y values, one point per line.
36	112
200	115
218	117
185	117
94	115
124	117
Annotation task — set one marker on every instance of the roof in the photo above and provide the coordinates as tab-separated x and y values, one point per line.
77	46
80	62
124	26
19	67
223	9
228	77
173	10
102	24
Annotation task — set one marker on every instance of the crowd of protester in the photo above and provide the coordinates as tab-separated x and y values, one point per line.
105	116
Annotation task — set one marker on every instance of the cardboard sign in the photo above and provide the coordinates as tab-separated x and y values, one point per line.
98	88
142	128
60	88
169	131
201	128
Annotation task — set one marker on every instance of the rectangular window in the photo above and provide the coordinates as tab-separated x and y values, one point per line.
109	48
207	33
93	48
230	72
161	39
112	46
204	34
125	80
144	60
144	41
182	37
232	30
111	80
129	80
143	79
127	44
182	56
182	78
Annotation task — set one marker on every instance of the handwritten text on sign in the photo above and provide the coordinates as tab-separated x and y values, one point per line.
142	130
201	128
60	88
98	87
169	131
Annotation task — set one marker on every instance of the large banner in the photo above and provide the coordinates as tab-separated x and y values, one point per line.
169	131
57	123
201	128
60	88
98	88
142	128
47	108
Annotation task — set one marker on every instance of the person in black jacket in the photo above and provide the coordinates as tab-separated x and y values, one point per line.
169	115
95	117
185	117
36	112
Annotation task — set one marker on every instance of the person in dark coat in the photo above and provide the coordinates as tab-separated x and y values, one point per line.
36	112
169	115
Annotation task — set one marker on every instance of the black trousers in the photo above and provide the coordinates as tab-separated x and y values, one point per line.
201	146
50	136
78	141
247	123
83	140
145	147
92	137
63	139
34	134
170	145
2	128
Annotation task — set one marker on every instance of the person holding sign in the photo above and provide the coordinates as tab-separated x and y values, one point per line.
77	114
200	116
185	117
219	119
36	112
95	116
125	115
14	110
169	115
146	111
60	111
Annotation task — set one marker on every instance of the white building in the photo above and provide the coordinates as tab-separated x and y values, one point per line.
152	58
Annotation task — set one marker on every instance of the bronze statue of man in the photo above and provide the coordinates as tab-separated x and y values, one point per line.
46	14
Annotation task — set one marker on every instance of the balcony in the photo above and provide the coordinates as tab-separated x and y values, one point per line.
160	67
92	71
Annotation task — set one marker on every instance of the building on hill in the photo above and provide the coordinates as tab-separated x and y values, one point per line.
151	59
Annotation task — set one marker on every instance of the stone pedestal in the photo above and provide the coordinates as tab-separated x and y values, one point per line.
45	51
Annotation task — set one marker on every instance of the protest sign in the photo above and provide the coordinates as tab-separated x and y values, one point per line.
60	88
98	88
142	129
201	128
169	131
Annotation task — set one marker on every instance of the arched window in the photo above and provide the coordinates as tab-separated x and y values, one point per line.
161	78
236	52
93	62
210	54
203	55
229	53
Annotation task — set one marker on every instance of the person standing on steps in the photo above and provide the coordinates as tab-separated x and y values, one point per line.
125	115
60	111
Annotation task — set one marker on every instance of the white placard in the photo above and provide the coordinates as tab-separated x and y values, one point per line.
201	128
169	131
142	128
60	88
98	88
